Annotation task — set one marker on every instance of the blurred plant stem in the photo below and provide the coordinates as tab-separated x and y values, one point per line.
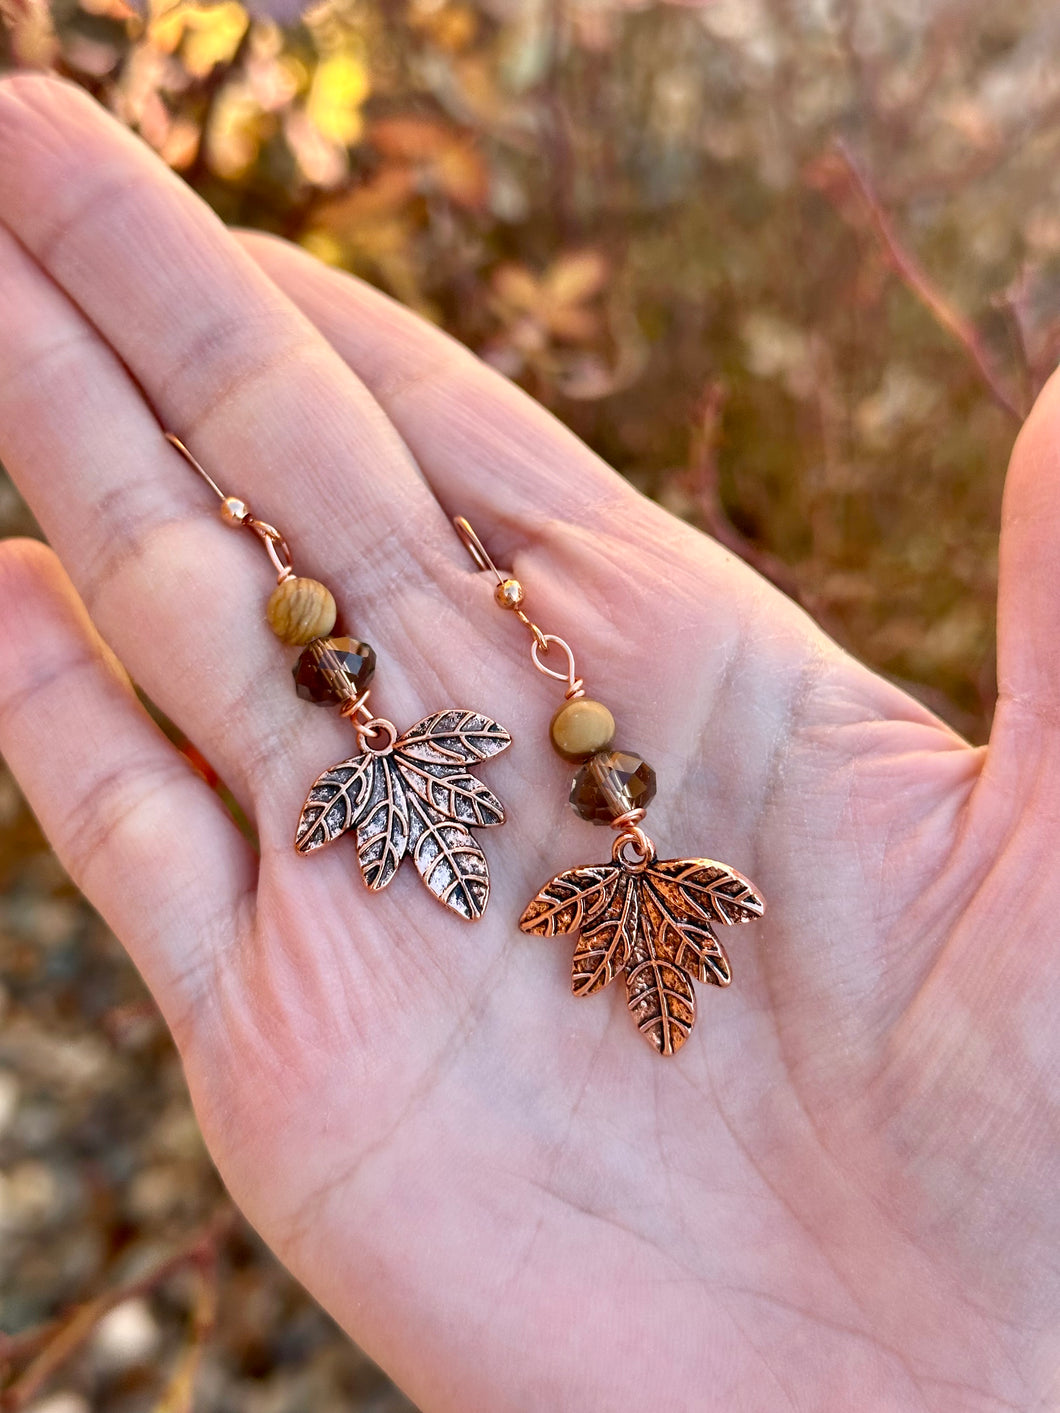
49	1347
914	276
702	481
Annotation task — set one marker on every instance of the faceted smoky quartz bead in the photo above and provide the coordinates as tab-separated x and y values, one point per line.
610	784
334	670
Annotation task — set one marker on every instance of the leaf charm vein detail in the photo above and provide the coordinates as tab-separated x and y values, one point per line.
418	798
656	923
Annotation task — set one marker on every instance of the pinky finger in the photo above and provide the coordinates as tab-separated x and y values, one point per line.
144	837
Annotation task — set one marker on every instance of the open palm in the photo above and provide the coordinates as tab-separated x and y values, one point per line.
842	1193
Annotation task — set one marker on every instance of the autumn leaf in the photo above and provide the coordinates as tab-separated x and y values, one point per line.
339	88
453	793
454	738
445	159
419	799
210	34
559	301
654	923
714	892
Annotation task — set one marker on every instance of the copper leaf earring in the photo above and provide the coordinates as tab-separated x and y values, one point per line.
653	919
410	795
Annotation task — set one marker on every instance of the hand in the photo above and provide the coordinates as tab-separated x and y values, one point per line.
842	1194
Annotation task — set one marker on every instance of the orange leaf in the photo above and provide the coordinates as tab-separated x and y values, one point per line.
577	276
414	139
382	195
518	287
574	324
463	175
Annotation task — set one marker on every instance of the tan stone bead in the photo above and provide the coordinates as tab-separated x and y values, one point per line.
580	728
300	610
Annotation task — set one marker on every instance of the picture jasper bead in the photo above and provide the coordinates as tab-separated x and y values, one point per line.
334	670
300	610
611	784
581	728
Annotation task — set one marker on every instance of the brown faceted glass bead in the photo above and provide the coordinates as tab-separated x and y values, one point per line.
334	670
610	784
581	728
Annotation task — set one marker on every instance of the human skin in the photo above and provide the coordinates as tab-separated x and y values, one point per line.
842	1194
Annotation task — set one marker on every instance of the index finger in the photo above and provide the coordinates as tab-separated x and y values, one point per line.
487	448
226	360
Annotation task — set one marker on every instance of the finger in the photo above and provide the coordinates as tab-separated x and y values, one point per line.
227	361
177	595
533	488
487	448
141	834
1027	724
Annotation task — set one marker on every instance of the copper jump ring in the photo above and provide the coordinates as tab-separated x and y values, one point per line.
633	849
369	731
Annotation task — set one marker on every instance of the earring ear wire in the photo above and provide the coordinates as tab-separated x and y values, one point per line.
237	514
475	548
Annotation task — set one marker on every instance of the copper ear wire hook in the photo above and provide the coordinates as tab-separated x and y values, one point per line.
509	596
474	546
175	441
236	512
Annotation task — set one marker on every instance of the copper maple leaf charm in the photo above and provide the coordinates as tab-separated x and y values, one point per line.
415	797
654	921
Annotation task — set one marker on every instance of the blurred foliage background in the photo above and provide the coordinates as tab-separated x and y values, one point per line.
792	266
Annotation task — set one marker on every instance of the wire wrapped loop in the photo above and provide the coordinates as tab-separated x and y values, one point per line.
275	547
356	706
544	644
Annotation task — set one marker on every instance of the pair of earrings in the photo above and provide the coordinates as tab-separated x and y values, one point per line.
415	795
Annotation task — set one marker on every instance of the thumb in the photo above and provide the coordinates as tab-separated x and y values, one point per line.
1026	734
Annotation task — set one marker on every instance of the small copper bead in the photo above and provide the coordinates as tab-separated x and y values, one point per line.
300	610
234	511
580	728
509	593
611	784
